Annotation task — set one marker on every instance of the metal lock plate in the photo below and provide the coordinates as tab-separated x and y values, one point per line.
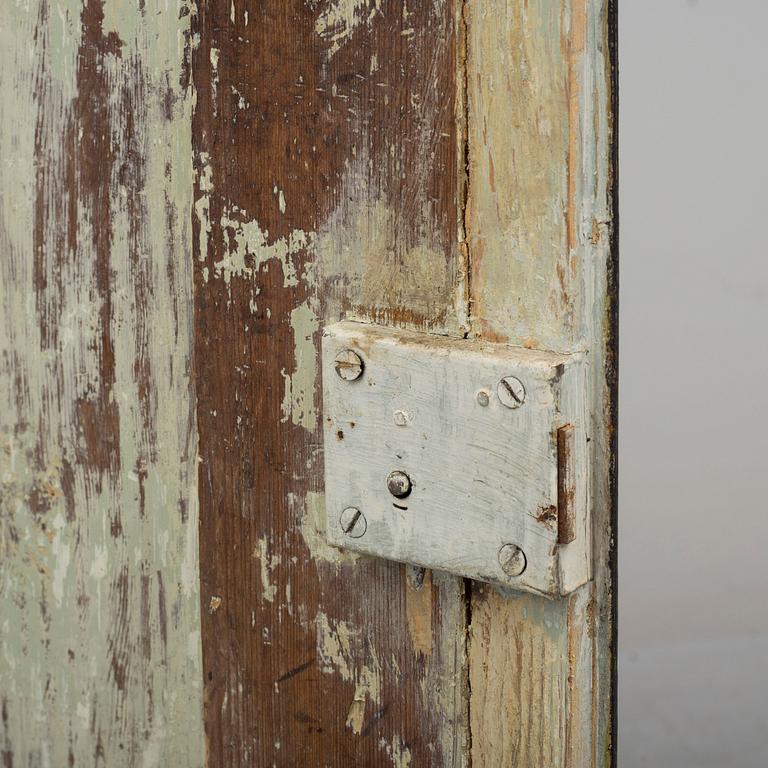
457	455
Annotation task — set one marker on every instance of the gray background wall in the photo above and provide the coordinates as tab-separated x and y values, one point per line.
694	377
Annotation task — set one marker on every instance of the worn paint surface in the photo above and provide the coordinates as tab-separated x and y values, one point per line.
166	275
539	233
327	184
99	617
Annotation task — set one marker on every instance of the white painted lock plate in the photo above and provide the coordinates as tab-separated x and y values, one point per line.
457	455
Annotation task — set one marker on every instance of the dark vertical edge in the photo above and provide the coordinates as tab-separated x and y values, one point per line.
612	367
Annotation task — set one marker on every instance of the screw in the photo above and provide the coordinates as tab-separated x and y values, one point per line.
399	484
353	522
512	560
511	392
483	398
349	365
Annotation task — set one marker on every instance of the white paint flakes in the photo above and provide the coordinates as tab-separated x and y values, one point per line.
242	102
214	56
338	22
268	563
340	650
203	206
397	751
299	395
249	248
333	646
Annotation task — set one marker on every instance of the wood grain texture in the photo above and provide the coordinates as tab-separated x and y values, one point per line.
330	145
99	625
327	184
539	227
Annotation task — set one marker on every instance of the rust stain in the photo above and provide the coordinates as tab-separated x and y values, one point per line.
566	485
547	516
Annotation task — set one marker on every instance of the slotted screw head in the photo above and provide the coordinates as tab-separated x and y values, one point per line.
512	560
511	392
353	522
349	365
399	484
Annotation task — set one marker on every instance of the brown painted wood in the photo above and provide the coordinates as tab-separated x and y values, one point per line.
327	184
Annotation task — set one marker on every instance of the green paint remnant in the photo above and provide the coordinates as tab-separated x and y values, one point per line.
299	397
249	249
99	578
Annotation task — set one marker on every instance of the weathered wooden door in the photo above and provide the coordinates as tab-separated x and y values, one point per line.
189	193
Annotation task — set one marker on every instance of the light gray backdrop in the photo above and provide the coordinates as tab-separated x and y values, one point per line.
693	529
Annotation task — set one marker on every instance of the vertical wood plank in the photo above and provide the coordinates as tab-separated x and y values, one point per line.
327	185
99	627
539	224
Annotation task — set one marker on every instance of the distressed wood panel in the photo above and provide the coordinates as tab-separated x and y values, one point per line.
329	182
99	607
99	626
327	185
539	227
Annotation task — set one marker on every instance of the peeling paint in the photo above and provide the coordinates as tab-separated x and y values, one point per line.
214	57
539	148
203	203
518	193
299	397
280	199
339	20
355	150
342	650
268	563
312	528
397	752
249	249
98	505
214	604
333	646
